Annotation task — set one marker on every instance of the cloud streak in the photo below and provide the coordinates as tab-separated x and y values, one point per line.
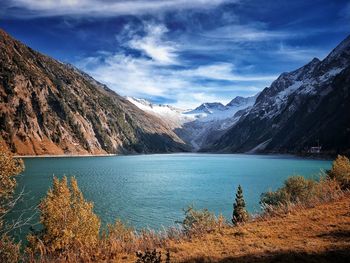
101	8
254	32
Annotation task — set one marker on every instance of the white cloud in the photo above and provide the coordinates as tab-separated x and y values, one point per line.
153	46
154	75
124	74
105	8
254	32
299	54
223	71
142	77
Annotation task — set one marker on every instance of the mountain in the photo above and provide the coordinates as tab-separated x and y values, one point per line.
47	107
172	116
202	125
302	108
242	101
209	108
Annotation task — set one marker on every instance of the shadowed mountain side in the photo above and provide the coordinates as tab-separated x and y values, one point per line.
301	109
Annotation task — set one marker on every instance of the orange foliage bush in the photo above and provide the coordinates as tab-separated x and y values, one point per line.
68	220
10	167
341	171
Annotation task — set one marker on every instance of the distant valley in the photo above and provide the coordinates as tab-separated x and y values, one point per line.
201	126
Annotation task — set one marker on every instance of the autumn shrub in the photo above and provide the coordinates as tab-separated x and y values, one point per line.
10	167
200	221
120	231
68	221
295	189
298	191
9	250
341	171
118	238
326	190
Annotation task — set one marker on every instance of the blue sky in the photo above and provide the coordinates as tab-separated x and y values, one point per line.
180	52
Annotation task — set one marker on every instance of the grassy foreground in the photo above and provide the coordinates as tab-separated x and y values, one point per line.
318	234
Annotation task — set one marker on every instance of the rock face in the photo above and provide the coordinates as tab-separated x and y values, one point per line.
300	109
47	107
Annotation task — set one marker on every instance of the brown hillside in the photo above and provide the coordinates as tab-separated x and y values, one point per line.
47	107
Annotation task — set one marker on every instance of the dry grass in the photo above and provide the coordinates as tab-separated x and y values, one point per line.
318	234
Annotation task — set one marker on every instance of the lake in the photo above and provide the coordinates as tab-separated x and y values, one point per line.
152	190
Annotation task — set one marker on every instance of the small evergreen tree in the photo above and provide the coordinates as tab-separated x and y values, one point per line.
240	214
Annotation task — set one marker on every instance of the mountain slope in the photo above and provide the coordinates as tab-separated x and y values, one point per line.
47	107
173	117
204	124
300	109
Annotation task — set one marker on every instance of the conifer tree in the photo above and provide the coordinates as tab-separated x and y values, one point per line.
240	214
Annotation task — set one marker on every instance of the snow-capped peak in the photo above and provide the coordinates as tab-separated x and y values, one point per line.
208	108
145	103
242	101
195	126
173	116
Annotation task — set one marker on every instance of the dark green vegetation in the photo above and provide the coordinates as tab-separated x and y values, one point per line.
240	214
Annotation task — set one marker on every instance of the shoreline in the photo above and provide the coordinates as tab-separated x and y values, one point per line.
65	155
322	157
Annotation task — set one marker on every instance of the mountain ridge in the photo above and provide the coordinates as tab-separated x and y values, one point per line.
300	109
48	107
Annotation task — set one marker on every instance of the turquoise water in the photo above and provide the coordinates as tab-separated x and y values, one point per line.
152	190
